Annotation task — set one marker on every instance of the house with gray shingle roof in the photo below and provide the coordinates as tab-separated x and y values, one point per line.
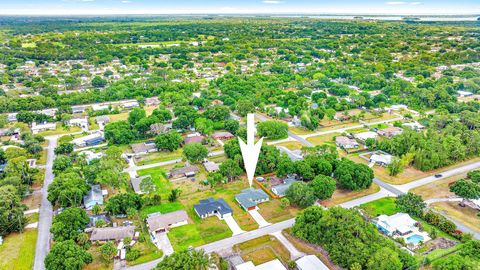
93	197
112	233
280	189
249	198
211	207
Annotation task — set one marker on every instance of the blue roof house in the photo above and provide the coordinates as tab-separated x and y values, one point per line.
211	207
249	198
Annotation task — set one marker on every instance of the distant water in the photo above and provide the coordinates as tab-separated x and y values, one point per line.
390	18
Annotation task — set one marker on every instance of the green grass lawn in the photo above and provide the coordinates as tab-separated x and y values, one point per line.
262	249
18	251
161	182
165	207
159	157
60	130
323	139
384	206
148	252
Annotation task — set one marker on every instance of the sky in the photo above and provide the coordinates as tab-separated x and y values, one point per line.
98	7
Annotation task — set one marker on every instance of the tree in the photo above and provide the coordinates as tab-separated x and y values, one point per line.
353	176
195	152
232	148
62	163
217	113
330	113
12	218
245	107
162	115
147	186
474	176
304	170
385	259
120	203
273	129
67	189
98	82
323	186
169	141
136	115
215	178
108	250
232	126
119	132
204	125
186	259
69	224
284	202
453	262
411	203
466	189
300	194
174	194
285	166
64	149
230	169
396	166
67	255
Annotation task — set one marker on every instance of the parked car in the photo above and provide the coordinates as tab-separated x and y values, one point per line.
438	175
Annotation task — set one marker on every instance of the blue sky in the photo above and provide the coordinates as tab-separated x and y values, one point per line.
72	7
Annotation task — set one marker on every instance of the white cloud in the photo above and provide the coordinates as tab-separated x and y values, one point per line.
416	3
396	3
272	2
87	0
126	1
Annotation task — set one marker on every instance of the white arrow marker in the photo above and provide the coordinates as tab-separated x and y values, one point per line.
250	150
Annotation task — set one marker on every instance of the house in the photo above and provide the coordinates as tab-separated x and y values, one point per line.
193	139
12	117
310	262
414	125
159	128
99	107
112	233
130	104
389	132
102	119
223	135
95	218
89	140
280	189
249	198
211	207
366	135
187	171
400	223
143	148
341	116
345	142
152	101
36	128
464	93
270	265
158	222
398	107
79	122
79	109
381	159
93	197
90	156
211	166
296	122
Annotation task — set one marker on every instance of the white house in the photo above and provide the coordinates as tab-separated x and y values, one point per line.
158	222
381	159
414	125
79	122
310	262
464	93
89	140
366	135
400	223
271	265
36	128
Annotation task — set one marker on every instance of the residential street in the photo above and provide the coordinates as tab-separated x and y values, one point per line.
45	219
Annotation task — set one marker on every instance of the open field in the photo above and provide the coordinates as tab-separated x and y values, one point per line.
465	215
156	157
98	261
273	212
263	249
293	145
438	189
300	130
60	130
385	206
323	139
341	196
18	251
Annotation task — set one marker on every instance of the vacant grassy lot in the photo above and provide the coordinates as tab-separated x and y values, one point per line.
98	263
438	189
273	212
465	215
18	251
341	195
262	249
384	206
118	117
148	252
322	139
300	130
60	130
293	145
161	182
159	157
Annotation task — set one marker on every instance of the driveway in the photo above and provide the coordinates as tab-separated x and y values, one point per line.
258	218
232	224
164	244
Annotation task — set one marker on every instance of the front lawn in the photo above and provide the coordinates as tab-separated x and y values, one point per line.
18	250
342	195
273	212
161	156
385	206
323	139
262	249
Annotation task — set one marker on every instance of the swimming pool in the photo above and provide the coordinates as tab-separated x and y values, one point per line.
415	239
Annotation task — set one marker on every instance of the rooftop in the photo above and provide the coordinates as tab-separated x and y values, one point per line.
112	233
159	221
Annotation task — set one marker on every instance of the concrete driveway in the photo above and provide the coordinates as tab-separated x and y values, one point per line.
232	224
258	218
164	244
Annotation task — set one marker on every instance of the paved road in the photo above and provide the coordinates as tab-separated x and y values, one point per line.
168	162
393	189
45	218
